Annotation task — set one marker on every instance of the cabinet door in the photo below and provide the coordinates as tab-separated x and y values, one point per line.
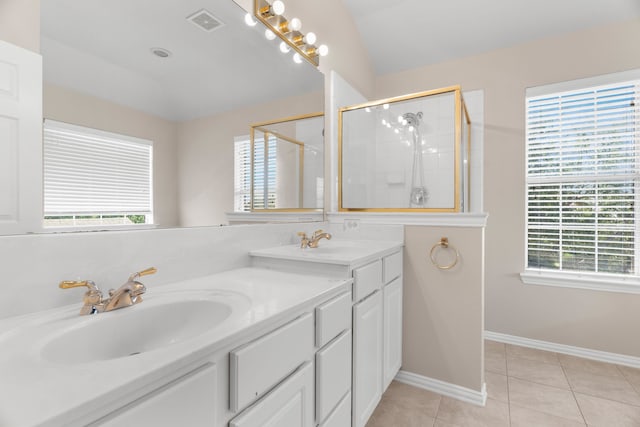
367	357
333	374
190	400
290	404
392	357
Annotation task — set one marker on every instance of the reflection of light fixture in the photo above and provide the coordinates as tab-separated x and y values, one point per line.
284	48
385	106
248	19
270	35
272	16
297	58
367	109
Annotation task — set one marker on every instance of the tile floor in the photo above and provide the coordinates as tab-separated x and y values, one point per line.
526	388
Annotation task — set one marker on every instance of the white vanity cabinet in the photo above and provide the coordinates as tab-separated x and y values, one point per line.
376	315
377	333
190	398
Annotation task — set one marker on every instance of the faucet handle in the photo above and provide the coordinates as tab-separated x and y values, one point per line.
304	240
146	272
92	297
68	284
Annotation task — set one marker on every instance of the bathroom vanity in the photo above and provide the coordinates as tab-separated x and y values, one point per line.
376	306
245	347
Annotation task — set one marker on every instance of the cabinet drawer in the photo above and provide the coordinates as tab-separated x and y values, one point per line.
332	318
258	366
333	374
392	266
190	398
367	280
341	416
288	405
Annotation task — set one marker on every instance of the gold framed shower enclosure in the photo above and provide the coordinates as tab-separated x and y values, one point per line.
383	146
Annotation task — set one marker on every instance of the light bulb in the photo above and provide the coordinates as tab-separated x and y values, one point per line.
367	109
297	58
310	38
284	47
385	106
270	35
410	128
277	7
248	19
384	122
295	24
396	130
400	119
404	122
323	50
389	125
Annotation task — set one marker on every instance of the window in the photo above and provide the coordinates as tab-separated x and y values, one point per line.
265	177
95	178
583	180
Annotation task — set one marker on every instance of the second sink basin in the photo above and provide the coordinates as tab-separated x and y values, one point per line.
155	323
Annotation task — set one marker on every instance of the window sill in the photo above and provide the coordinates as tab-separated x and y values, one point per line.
83	229
630	285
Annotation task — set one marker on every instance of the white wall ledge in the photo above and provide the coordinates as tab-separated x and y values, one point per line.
427	219
274	217
592	282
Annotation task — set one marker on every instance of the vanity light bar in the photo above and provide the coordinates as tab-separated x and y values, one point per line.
271	15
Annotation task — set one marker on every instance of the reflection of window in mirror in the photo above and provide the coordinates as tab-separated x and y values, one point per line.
94	178
265	181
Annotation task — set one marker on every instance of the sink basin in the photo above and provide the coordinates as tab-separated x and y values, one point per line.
127	332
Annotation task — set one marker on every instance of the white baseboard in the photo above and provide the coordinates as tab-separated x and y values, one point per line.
447	389
602	356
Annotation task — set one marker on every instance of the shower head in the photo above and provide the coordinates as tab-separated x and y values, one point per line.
412	119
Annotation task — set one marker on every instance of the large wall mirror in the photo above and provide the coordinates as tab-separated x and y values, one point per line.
188	75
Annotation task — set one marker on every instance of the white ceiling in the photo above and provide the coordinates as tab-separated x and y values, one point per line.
103	48
404	34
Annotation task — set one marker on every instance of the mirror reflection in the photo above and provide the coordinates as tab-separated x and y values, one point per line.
288	162
153	71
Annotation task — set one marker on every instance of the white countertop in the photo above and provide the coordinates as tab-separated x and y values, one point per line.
38	392
334	251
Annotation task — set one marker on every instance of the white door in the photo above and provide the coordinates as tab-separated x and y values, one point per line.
290	404
392	357
367	357
20	139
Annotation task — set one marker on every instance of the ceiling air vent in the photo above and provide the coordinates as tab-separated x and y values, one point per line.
205	20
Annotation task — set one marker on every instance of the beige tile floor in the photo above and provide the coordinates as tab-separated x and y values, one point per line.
526	388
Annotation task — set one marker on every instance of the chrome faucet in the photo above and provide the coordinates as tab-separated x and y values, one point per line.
306	242
126	295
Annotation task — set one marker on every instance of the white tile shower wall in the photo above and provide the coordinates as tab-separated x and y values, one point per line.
31	266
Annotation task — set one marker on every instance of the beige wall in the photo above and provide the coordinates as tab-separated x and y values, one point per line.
443	309
69	106
20	23
205	160
597	320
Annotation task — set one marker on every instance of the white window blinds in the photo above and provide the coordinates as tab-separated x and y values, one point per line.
265	174
87	171
583	179
242	174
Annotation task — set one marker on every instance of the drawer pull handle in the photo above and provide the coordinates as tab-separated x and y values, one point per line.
444	244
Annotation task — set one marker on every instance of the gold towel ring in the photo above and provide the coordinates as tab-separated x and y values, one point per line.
444	243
